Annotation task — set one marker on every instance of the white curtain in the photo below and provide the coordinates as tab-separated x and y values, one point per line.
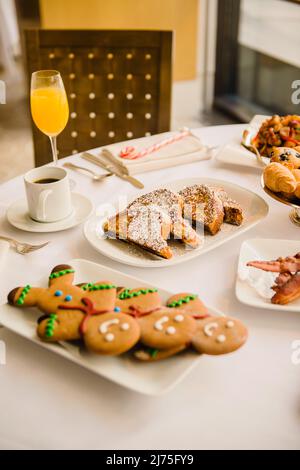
9	36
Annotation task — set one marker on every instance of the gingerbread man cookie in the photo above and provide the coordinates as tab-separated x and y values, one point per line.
66	306
167	328
152	354
138	301
219	335
111	333
111	320
190	303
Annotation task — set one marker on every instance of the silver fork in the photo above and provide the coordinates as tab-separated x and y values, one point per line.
93	174
22	248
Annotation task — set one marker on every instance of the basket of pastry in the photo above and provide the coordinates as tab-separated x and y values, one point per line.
276	132
110	320
281	179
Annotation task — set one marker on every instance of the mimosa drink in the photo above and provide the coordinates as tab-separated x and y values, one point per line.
50	110
49	105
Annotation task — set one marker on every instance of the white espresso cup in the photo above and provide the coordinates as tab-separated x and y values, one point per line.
48	194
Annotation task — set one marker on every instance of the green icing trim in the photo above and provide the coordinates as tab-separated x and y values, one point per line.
23	294
153	353
184	300
50	325
92	287
61	273
126	294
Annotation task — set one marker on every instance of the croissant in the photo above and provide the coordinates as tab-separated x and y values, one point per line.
296	174
278	178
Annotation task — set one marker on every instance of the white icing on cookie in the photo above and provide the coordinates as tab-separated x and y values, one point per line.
179	318
221	338
230	324
109	337
103	328
124	327
209	327
158	325
171	330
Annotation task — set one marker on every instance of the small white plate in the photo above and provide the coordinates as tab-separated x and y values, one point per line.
234	153
148	378
255	209
262	249
17	215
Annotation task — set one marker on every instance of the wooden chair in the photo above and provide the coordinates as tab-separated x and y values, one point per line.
118	84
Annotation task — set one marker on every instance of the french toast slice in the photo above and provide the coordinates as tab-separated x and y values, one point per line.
233	212
148	230
202	205
150	220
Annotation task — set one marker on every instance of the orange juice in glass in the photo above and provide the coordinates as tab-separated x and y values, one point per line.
49	105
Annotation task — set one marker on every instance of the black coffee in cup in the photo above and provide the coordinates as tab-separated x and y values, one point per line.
46	180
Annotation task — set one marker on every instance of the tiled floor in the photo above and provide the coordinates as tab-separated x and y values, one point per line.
16	149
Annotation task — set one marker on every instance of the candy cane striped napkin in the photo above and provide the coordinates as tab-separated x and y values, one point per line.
186	149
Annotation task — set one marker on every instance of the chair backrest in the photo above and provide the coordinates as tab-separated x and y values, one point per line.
118	84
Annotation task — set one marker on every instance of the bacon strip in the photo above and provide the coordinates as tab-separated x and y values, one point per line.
288	292
287	283
290	264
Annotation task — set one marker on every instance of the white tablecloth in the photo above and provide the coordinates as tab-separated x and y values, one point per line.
250	399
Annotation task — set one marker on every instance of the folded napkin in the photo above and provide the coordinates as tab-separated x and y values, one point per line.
234	153
4	247
186	150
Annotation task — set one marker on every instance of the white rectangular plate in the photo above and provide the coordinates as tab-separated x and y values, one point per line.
234	153
266	250
254	207
149	378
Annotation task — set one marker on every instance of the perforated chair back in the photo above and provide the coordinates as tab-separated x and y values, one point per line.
118	84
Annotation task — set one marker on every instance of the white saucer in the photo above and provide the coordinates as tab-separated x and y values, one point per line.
17	215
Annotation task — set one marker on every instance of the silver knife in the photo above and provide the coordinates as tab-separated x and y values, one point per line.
112	169
111	159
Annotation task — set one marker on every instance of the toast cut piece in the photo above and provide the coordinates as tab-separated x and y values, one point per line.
142	226
233	212
171	204
202	205
150	220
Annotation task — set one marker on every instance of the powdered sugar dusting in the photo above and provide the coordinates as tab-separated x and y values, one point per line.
147	226
205	204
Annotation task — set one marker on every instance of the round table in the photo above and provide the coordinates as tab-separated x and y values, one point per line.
250	399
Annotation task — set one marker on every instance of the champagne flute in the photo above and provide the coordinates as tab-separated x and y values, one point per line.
49	105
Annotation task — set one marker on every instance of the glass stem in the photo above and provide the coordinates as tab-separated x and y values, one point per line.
54	148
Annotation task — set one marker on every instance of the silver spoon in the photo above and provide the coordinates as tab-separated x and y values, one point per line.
95	176
246	142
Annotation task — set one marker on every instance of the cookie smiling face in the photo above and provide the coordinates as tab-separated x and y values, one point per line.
219	335
111	333
167	328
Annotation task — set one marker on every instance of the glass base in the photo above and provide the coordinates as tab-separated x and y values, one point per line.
295	216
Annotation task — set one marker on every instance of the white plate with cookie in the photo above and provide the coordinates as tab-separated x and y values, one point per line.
152	378
253	206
